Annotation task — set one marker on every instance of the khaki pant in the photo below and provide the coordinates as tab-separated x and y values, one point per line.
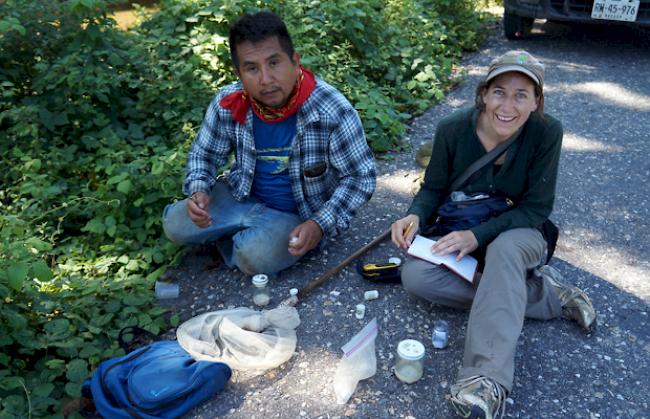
506	293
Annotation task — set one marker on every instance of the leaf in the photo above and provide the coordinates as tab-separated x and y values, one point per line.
55	364
46	118
77	370
157	168
11	383
117	178
95	225
102	320
73	389
89	350
132	265
57	329
42	271
114	59
135	300
43	390
16	274
124	186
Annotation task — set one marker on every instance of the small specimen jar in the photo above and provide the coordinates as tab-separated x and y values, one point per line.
293	296
261	296
166	290
410	361
440	334
360	311
371	295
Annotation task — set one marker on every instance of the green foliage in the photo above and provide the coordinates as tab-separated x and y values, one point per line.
95	124
391	58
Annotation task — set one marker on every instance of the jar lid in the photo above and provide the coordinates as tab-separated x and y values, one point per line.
397	261
410	349
260	280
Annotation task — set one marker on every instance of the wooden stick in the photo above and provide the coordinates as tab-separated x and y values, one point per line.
327	275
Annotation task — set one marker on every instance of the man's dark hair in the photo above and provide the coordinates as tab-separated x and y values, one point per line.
256	28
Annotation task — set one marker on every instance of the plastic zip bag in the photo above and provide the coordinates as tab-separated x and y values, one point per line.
358	363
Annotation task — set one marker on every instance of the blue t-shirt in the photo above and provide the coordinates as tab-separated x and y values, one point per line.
271	183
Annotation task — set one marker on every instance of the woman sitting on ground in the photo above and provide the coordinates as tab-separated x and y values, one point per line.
509	102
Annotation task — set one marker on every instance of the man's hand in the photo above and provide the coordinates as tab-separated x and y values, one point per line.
197	209
400	233
304	238
463	242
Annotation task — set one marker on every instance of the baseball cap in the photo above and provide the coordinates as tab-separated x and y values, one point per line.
519	61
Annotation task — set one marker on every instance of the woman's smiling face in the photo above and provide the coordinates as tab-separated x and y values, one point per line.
509	100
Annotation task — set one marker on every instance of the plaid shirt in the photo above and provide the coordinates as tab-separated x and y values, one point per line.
328	130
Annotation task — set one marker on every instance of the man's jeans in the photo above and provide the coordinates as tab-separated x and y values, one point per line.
248	234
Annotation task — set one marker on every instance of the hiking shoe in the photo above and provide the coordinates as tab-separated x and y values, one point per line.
478	397
576	305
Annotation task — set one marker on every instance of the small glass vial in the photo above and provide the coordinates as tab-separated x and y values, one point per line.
165	290
410	361
371	295
261	296
293	296
440	334
360	311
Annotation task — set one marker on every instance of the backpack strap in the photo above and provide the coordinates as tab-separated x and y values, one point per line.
551	234
486	159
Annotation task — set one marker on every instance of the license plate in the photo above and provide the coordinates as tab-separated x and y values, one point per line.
623	10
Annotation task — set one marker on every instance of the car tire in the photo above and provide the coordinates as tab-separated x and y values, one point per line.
516	27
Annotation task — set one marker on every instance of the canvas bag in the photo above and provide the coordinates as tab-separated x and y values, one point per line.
249	341
160	380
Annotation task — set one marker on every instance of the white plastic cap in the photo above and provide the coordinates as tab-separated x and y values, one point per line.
395	260
410	349
260	280
293	291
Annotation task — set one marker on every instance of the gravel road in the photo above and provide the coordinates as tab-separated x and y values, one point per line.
598	84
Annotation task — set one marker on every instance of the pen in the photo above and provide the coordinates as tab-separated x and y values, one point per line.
408	230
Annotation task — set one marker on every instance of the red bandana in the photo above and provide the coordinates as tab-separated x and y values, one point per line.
239	101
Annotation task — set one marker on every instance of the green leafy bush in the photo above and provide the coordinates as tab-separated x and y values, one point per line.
95	124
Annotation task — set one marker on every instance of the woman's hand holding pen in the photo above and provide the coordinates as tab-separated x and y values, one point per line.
403	230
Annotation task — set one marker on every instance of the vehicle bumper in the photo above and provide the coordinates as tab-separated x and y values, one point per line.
569	10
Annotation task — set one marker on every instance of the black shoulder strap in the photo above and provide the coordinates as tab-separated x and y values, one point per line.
486	159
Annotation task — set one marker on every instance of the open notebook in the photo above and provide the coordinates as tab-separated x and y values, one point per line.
465	268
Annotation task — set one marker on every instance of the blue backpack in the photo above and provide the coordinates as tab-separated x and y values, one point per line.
160	380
